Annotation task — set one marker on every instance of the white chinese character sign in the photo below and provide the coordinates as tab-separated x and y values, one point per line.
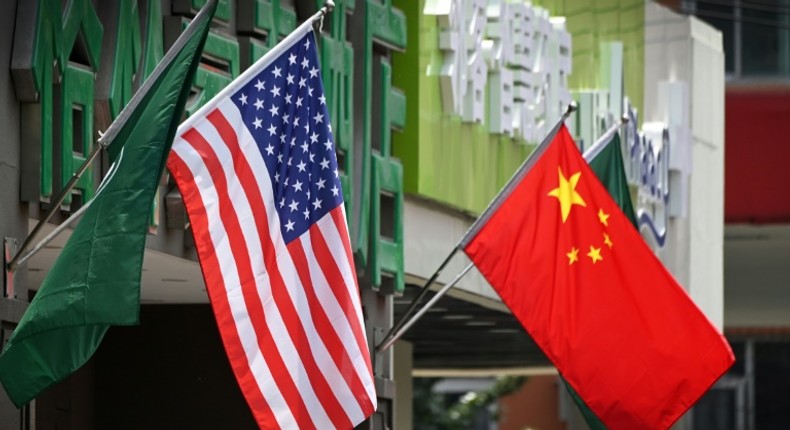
512	56
505	66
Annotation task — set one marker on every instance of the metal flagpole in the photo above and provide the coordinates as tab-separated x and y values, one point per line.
525	167
424	309
55	205
416	301
20	259
599	144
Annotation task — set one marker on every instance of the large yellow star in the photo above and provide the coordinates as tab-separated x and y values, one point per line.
595	254
573	256
566	193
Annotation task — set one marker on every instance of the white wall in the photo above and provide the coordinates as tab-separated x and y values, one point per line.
679	48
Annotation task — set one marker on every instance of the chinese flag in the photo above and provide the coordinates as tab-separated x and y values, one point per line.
582	282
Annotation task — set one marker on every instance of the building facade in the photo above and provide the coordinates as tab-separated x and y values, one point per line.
434	104
756	41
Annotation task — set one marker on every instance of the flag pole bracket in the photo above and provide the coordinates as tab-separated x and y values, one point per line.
9	251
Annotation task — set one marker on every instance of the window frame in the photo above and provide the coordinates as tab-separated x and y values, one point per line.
737	76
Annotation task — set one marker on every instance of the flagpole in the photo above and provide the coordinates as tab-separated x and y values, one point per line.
59	229
398	327
424	309
55	206
599	144
416	301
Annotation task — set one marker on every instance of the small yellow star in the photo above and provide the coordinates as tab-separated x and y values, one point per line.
566	193
595	254
604	217
607	241
573	256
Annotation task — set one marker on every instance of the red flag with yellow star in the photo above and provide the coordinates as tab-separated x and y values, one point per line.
582	282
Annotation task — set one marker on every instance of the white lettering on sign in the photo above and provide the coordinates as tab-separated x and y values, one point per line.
477	69
658	161
498	52
452	75
514	52
646	165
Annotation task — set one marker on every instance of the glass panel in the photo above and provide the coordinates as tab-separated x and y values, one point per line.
765	33
721	16
739	349
772	383
716	410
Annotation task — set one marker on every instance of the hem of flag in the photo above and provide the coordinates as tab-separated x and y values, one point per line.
707	388
65	376
667	425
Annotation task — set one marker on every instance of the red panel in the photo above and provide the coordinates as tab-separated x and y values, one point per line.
541	393
757	156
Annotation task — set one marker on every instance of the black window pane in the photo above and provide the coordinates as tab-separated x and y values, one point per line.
716	410
739	350
772	384
721	16
765	33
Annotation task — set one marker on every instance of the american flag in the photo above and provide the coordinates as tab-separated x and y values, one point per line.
258	173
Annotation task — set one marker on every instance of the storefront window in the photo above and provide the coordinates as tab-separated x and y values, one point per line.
720	16
772	383
764	46
755	35
753	394
717	410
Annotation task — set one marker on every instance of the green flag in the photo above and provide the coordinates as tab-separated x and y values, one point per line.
95	281
608	167
607	163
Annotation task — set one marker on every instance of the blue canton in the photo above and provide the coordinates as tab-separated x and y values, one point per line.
284	109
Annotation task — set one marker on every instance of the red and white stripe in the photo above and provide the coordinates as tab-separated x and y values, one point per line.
289	315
